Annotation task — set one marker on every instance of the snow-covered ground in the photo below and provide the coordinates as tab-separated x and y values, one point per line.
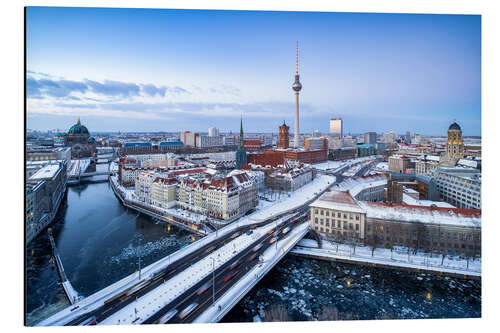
398	258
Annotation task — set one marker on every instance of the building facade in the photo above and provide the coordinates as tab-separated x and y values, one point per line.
455	143
460	187
400	164
284	138
337	215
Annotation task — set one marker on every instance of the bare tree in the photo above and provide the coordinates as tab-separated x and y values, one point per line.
328	313
275	313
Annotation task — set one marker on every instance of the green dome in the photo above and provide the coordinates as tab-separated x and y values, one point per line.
91	140
78	129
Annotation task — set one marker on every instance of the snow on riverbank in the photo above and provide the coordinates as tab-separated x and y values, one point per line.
399	258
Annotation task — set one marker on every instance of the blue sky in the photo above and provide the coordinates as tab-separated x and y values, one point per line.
175	70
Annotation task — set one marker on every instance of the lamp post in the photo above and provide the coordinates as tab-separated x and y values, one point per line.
213	281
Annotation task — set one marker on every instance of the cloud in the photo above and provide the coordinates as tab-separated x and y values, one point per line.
114	88
76	106
41	85
152	90
38	88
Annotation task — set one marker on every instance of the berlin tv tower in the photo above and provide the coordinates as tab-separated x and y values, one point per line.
296	87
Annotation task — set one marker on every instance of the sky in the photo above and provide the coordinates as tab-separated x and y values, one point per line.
176	70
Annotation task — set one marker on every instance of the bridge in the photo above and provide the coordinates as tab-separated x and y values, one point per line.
200	282
70	292
91	174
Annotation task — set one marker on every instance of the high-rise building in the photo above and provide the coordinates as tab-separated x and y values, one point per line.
213	131
389	137
284	138
408	137
370	138
241	154
297	86
316	133
336	127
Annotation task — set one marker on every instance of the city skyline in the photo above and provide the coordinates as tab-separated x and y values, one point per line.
186	71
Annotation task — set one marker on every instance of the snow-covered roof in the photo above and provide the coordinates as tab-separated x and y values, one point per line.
46	172
409	213
414	202
358	184
338	200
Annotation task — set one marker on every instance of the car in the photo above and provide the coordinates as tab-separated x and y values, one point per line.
234	264
275	233
249	232
229	277
272	240
287	229
270	231
187	310
166	317
252	258
89	321
203	288
257	247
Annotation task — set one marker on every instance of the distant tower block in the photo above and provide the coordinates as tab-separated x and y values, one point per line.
296	87
284	137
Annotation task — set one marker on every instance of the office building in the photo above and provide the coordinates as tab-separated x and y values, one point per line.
370	138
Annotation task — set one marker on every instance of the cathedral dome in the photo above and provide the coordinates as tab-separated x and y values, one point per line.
454	126
78	128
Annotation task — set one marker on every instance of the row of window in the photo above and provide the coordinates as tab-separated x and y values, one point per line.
326	212
346	225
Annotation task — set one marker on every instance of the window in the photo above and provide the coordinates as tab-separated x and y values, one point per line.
350	226
315	211
338	215
321	221
327	213
357	217
315	220
345	215
357	227
350	216
321	212
338	224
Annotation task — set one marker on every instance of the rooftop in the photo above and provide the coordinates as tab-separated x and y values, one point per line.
46	172
337	200
423	214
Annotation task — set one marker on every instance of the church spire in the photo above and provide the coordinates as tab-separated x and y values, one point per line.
78	122
241	143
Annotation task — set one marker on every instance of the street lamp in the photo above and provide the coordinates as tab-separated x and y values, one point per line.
213	281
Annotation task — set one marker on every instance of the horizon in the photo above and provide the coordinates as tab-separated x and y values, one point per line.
194	69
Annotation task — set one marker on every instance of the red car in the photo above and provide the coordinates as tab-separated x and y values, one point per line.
229	277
